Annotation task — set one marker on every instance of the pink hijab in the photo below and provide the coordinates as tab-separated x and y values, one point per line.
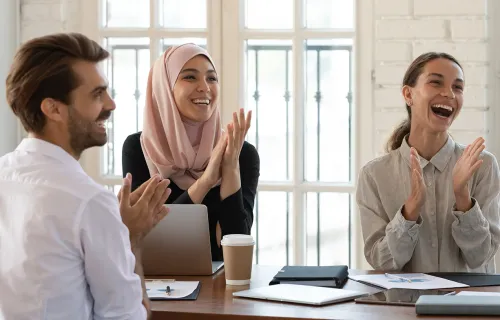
174	147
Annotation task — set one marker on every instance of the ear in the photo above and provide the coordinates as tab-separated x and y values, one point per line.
407	95
53	109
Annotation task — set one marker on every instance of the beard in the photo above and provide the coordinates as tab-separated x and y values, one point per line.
85	133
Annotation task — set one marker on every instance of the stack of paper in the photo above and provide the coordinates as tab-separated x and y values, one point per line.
418	281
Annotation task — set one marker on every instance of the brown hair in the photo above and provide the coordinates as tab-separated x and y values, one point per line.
410	79
42	68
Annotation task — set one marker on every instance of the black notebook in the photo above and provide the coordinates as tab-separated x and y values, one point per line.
470	278
322	276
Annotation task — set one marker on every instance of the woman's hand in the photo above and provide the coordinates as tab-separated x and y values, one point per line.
231	181
467	164
213	172
412	207
237	131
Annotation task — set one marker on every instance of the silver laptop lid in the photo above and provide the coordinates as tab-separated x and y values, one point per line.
179	244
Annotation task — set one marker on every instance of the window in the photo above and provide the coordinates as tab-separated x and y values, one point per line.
292	64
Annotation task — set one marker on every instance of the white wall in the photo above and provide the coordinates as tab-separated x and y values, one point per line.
8	34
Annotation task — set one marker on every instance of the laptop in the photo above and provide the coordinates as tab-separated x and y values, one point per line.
179	245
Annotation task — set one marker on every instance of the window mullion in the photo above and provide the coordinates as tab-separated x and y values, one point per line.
298	208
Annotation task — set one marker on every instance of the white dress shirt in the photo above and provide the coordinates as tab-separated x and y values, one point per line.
64	250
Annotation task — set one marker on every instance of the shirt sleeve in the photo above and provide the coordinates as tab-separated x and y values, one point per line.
236	214
477	231
388	243
109	262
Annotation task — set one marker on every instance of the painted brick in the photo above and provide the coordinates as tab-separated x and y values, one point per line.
35	12
388	97
37	29
449	7
389	74
468	29
392	8
393	51
463	51
410	29
475	75
475	97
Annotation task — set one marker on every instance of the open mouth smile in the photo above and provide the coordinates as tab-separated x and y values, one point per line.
442	110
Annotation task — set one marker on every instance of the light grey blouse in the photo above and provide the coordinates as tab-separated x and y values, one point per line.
442	239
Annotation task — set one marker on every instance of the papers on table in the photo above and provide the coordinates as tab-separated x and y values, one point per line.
418	281
157	289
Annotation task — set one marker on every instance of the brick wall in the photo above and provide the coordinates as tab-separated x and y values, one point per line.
406	28
40	17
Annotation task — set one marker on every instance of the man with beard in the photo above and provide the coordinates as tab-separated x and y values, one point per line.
68	248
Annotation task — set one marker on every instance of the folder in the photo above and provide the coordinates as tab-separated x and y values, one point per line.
320	276
470	278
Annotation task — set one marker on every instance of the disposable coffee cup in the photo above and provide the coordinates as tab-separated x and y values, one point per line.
238	254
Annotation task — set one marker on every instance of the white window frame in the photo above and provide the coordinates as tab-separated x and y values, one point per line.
232	30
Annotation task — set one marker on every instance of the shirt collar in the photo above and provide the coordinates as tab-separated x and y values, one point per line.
440	159
46	148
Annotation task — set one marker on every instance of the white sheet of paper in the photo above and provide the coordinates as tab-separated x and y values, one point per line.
478	293
419	281
178	289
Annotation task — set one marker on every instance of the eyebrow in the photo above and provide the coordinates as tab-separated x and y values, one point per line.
442	77
99	89
196	70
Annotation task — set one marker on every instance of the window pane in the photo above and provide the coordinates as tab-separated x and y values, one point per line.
328	111
127	72
272	224
328	216
168	42
269	96
265	14
126	13
330	14
185	14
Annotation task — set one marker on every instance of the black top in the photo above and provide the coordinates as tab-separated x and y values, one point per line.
234	214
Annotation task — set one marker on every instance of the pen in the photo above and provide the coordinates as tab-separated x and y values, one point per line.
168	290
388	275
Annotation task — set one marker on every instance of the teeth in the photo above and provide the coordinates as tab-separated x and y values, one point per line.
101	123
201	101
442	106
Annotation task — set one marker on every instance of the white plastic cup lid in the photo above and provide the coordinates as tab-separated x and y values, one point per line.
237	240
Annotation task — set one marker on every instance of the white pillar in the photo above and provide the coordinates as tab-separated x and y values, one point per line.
9	11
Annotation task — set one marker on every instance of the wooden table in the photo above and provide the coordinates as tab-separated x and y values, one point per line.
215	301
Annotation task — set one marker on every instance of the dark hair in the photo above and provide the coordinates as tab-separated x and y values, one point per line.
42	68
410	79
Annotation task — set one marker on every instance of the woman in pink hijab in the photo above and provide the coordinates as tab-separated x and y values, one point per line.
183	140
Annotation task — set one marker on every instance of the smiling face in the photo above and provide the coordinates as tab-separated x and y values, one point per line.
196	90
437	96
82	122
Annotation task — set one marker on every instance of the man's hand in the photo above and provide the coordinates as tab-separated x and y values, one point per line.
144	208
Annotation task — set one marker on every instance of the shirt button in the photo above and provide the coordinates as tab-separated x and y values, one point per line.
433	245
429	184
432	213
